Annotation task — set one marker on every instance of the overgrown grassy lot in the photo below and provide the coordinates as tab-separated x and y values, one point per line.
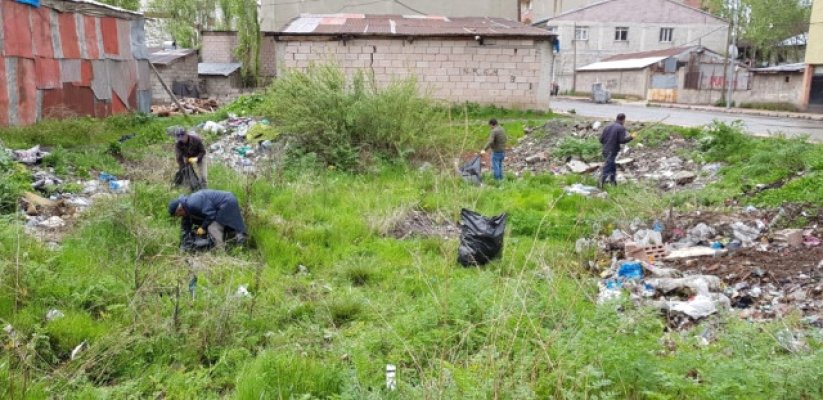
335	298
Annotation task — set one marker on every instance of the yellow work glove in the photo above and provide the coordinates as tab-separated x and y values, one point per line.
633	135
192	160
482	152
201	231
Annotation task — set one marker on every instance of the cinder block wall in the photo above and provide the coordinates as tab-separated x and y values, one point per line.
182	70
505	72
218	47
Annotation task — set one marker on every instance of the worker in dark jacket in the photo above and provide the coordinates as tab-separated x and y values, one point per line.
214	210
189	149
497	143
612	138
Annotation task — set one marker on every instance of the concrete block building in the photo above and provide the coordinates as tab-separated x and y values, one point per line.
611	27
178	68
219	47
813	81
483	60
276	13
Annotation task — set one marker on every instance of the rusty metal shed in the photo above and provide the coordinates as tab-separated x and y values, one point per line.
66	58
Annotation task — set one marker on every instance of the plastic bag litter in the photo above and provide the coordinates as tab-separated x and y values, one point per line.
471	171
648	237
187	177
481	238
31	156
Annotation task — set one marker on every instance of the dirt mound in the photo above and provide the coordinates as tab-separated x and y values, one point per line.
419	223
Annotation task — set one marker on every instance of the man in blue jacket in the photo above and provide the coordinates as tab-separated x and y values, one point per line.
612	138
214	210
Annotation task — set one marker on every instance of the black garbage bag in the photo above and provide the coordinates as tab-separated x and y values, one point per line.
470	171
187	177
190	242
481	238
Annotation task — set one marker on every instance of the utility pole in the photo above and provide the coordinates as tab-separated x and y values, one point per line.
731	80
574	61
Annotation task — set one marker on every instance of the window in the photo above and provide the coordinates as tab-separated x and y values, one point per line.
666	35
552	29
621	34
581	33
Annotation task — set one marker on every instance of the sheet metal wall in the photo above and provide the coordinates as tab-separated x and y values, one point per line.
59	64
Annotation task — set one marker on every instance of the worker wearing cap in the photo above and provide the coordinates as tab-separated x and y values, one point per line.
189	149
215	211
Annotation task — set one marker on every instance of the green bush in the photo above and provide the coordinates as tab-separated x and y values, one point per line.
348	123
274	375
725	142
585	149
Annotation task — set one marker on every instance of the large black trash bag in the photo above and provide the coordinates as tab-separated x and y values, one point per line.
187	177
190	242
470	171
481	238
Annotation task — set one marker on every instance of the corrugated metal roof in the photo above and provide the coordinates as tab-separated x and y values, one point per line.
217	69
97	4
636	63
643	59
799	40
166	57
798	67
665	53
408	25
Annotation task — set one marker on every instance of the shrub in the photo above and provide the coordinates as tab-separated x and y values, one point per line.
288	376
721	141
350	122
586	149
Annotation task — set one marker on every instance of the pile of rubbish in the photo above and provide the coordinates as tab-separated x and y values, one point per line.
48	208
663	165
237	145
190	106
696	264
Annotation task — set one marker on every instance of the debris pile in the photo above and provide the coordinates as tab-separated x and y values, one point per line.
695	264
190	106
663	164
52	204
235	146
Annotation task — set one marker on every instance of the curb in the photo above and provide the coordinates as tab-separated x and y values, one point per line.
810	117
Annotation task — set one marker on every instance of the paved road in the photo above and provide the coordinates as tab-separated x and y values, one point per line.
761	126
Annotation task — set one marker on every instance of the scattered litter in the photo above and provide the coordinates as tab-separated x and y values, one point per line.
31	156
242	292
54	314
78	349
234	146
648	237
391	377
52	223
693	252
584	190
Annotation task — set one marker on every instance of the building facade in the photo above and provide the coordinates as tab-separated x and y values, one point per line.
65	58
482	60
612	27
178	69
538	10
274	14
813	77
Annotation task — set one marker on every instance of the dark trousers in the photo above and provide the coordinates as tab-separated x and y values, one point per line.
609	174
